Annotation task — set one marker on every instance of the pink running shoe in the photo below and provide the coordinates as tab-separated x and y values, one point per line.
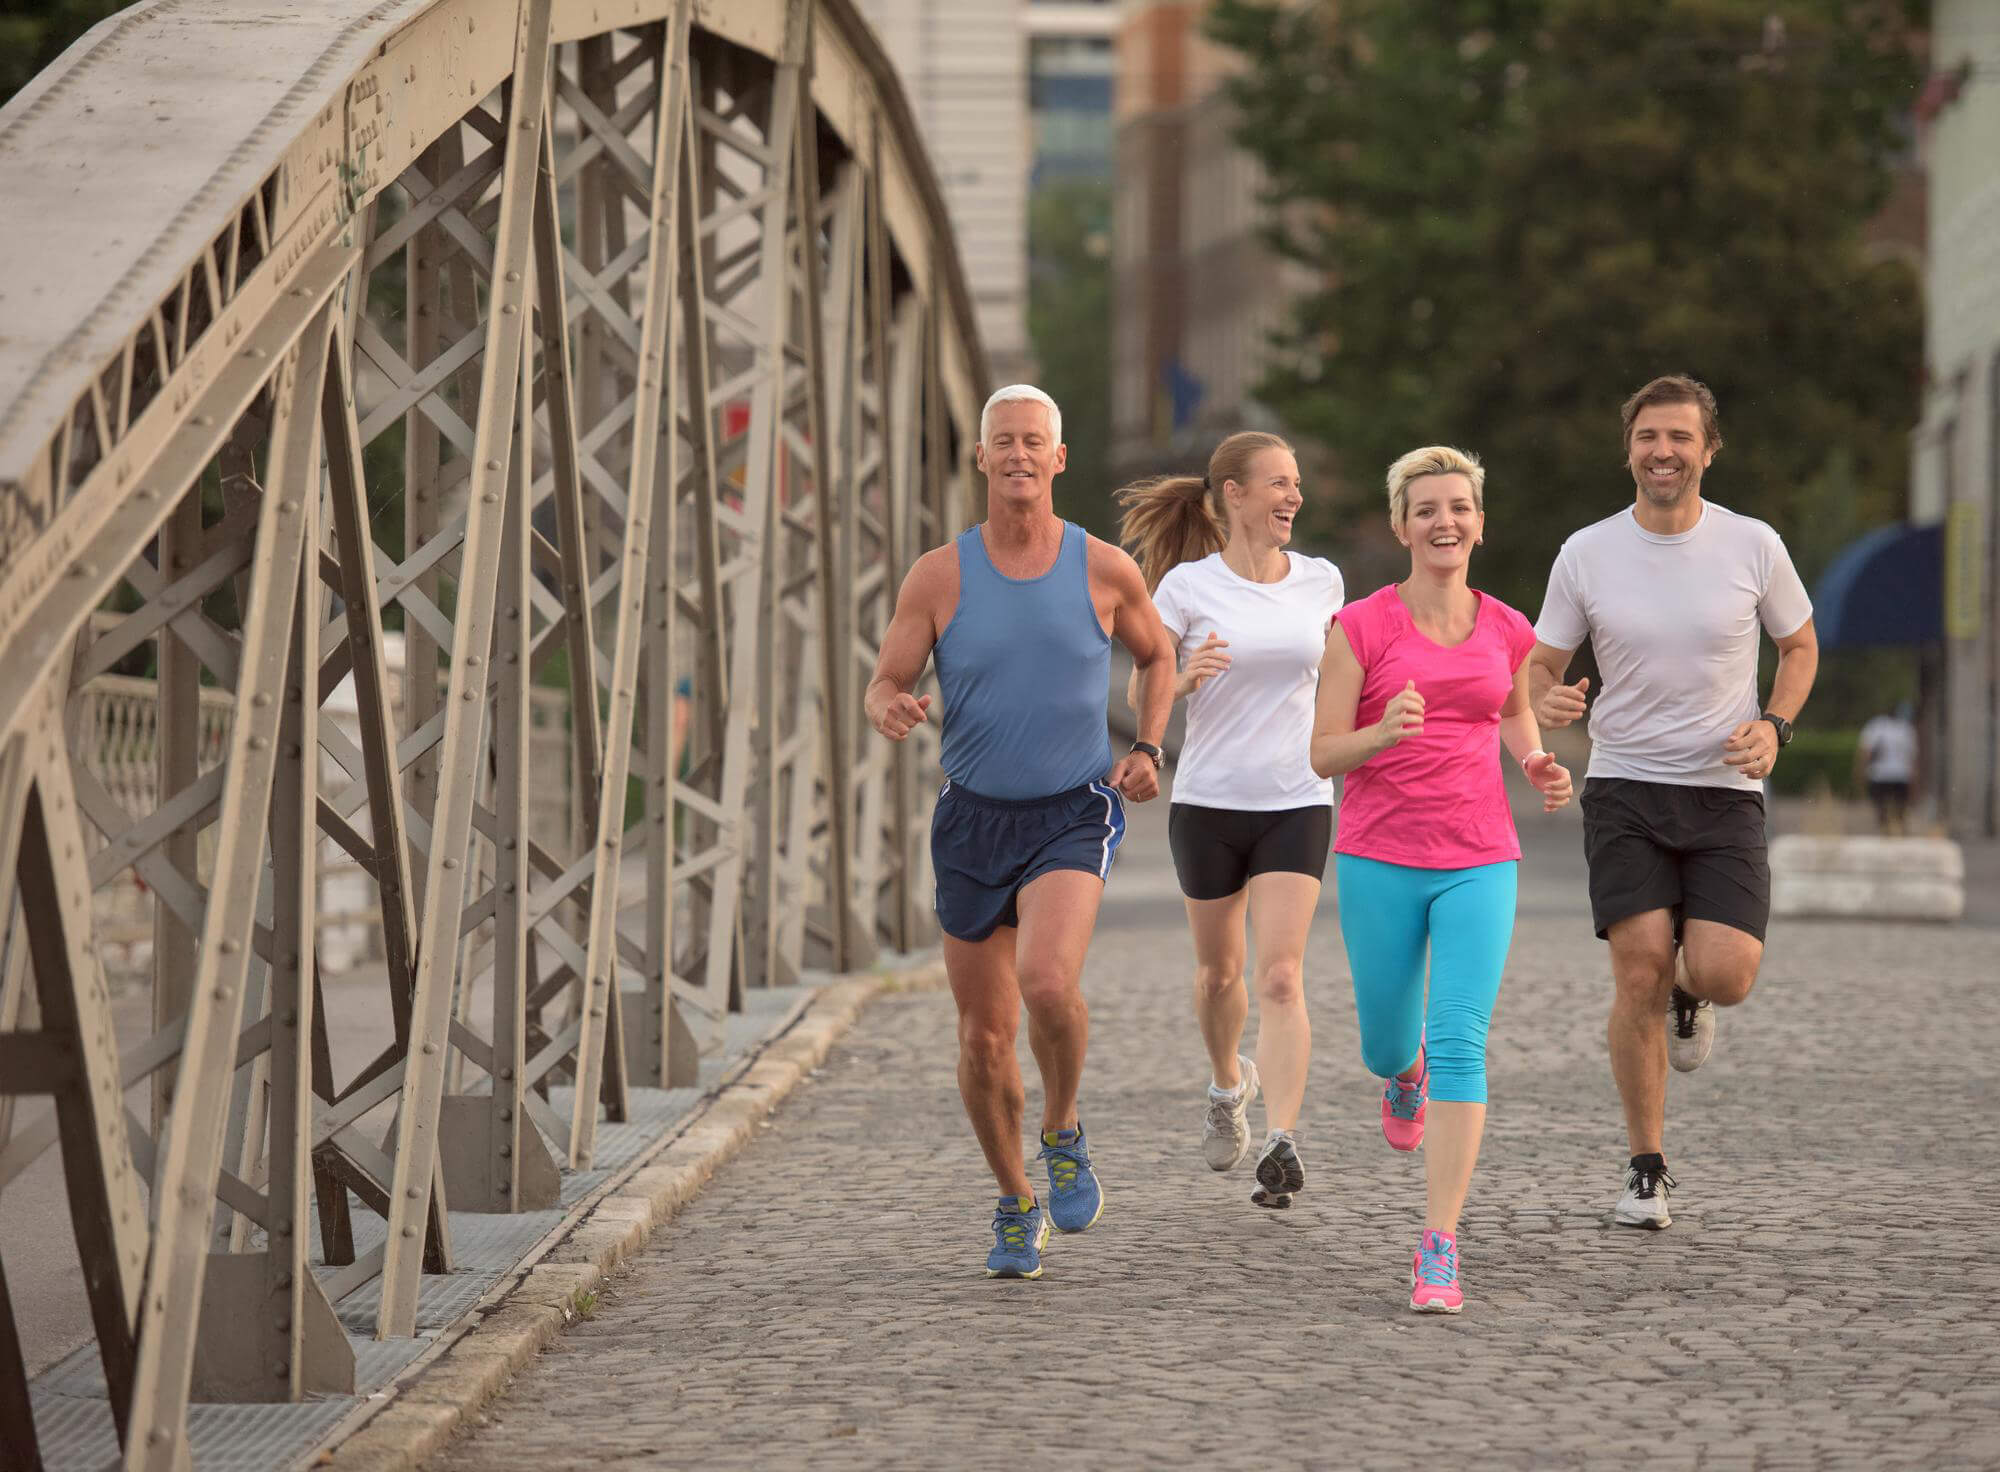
1434	1275
1403	1107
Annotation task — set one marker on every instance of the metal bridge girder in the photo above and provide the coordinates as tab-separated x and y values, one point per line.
651	317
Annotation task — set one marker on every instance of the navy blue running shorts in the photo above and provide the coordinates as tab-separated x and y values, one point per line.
984	849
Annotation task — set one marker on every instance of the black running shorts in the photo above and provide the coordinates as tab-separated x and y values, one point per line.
1216	850
1697	851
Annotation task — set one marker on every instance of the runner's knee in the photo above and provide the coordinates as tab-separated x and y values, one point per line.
1386	1055
1280	981
1047	987
985	1043
1214	982
1723	985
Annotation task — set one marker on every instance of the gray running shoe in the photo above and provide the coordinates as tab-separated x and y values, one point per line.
1225	1125
1280	1172
1690	1030
1644	1203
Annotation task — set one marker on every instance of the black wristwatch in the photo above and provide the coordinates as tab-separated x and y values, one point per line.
1779	724
1147	749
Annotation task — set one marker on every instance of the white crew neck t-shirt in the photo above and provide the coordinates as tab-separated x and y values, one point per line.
1249	729
1673	621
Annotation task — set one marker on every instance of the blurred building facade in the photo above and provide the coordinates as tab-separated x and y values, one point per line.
1955	471
1070	84
1195	291
964	65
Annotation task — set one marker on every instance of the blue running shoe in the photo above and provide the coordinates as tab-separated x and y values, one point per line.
1020	1227
1076	1201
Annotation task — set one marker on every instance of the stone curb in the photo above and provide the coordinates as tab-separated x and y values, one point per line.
423	1413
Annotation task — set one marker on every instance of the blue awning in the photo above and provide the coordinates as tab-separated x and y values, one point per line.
1883	589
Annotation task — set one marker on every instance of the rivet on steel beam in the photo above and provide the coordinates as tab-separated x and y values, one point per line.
513	275
451	863
259	743
279	1370
288	507
409	1231
260	699
506	1151
490	497
229	948
430	1048
505	1115
506	1074
492	464
507	309
289	1018
412	1193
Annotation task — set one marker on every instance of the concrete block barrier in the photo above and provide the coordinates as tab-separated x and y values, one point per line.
1868	877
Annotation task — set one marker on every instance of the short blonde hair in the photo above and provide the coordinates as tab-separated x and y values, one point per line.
1432	460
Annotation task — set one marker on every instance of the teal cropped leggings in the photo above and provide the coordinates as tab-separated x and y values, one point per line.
1390	915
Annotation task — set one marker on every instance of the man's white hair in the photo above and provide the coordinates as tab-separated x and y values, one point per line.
1014	393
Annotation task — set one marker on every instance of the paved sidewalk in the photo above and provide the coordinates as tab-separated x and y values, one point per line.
1824	1298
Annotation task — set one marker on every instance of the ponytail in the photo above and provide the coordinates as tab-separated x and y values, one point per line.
1166	521
1171	519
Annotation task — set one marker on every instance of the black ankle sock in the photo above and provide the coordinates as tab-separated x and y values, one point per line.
1655	1162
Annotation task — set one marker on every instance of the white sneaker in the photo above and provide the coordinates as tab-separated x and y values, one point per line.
1690	1030
1225	1125
1644	1203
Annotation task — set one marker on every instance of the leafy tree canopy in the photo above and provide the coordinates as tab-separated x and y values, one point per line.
1521	210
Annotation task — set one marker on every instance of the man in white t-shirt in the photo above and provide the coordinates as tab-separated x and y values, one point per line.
1672	593
1887	758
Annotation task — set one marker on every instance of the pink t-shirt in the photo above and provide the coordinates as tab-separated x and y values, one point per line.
1436	800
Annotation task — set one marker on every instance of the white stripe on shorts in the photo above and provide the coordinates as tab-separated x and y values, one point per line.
1109	796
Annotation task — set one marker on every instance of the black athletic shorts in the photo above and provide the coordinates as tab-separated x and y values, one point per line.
1697	851
1216	850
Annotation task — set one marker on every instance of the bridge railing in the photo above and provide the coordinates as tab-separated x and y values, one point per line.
611	347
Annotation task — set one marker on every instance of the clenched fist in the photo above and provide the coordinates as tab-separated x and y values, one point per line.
902	715
1562	704
1404	716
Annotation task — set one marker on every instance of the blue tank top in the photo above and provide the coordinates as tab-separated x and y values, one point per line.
1024	674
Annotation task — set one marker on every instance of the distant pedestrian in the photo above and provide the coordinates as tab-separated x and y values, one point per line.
1251	822
1671	592
1020	612
1887	758
1423	683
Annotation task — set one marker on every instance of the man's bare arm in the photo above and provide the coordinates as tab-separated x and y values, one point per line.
906	648
1798	665
1137	626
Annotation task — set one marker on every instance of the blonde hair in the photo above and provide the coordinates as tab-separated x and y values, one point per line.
1432	460
1171	519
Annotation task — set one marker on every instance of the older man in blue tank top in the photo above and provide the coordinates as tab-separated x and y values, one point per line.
1020	612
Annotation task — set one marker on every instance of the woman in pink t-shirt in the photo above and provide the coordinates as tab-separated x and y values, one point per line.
1422	683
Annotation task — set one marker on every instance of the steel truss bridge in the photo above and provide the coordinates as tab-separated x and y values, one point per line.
608	344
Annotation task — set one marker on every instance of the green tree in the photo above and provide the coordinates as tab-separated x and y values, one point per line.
34	33
1069	329
1521	210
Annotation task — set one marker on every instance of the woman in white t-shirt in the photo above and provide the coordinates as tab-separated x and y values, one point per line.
1250	824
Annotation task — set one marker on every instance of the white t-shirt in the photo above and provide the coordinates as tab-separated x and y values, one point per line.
1673	621
1891	744
1249	729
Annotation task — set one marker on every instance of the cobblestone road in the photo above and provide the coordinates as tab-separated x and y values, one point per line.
1825	1297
